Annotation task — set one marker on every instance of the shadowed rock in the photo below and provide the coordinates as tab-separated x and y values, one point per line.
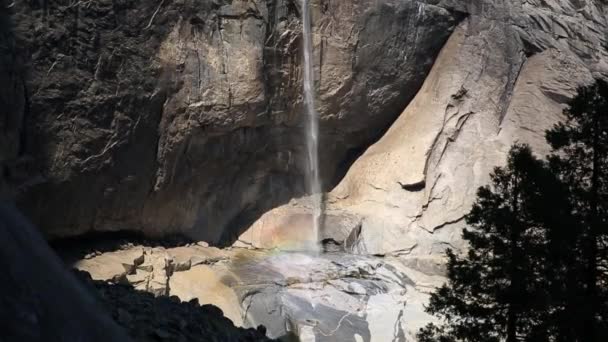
161	318
39	299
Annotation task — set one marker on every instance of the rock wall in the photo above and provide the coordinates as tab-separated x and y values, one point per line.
504	76
185	116
39	299
13	100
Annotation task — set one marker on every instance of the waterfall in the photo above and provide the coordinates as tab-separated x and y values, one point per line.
312	126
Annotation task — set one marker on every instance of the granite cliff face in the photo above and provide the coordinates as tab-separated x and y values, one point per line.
504	76
12	98
327	297
185	116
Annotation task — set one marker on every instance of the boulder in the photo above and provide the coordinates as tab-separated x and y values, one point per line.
113	265
207	285
290	227
13	101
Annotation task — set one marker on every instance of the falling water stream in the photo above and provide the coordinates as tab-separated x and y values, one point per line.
312	126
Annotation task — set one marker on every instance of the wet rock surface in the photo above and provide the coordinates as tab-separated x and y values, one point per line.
324	297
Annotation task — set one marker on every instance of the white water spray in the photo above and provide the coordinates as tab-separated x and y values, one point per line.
312	127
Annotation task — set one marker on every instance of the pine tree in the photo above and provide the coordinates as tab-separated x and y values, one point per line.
537	268
581	159
499	291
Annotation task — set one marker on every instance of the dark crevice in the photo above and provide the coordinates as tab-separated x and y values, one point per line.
513	77
413	187
76	248
321	46
269	55
353	238
157	141
342	168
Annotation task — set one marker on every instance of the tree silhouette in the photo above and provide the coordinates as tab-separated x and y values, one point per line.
498	290
581	159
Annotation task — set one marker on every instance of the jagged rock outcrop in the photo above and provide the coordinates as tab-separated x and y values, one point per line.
185	116
504	76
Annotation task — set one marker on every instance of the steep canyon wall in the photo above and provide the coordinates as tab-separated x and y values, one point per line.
184	116
504	76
